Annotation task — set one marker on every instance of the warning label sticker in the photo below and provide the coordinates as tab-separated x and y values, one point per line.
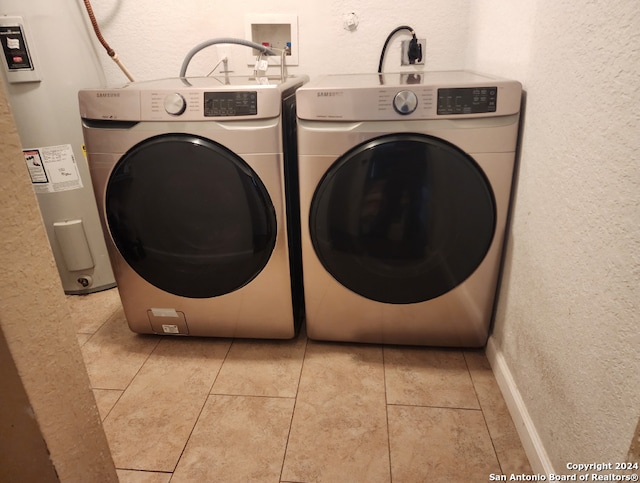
53	169
34	164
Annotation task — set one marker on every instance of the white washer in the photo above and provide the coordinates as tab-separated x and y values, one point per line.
196	185
405	183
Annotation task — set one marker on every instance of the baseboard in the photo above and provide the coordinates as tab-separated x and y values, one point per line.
538	458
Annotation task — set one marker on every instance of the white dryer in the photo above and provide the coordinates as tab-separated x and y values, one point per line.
405	184
196	186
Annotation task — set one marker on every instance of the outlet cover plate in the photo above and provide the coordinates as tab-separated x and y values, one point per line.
404	53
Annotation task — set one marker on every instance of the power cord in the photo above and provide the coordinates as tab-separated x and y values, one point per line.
415	49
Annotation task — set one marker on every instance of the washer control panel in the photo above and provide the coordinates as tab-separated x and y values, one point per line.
467	100
189	104
216	104
205	104
243	103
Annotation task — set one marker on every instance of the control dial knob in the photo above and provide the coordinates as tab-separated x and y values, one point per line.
174	104
405	102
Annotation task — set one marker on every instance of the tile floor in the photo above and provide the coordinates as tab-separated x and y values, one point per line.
221	410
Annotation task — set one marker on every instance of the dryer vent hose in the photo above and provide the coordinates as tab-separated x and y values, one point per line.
107	47
222	40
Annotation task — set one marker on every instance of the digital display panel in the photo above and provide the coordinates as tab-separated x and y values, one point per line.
467	100
243	103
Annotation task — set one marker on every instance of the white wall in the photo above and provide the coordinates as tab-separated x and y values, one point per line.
568	324
152	37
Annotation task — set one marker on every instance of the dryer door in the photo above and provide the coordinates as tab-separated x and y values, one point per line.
403	218
190	216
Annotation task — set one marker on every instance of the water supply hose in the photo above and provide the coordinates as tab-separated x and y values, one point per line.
107	47
222	40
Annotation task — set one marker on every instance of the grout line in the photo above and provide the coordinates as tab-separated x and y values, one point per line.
105	322
295	403
204	403
155	347
146	471
129	383
122	391
433	407
263	396
224	359
186	443
386	412
484	417
93	389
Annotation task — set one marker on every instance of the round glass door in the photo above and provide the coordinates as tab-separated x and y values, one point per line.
403	218
190	216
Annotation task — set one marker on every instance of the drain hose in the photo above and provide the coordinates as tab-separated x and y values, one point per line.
222	40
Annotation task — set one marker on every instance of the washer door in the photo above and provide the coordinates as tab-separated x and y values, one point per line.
190	216
403	218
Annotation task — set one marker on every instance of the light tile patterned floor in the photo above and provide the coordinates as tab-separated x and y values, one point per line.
221	410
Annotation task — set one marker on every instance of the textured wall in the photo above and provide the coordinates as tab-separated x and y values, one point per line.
35	322
23	452
568	321
152	38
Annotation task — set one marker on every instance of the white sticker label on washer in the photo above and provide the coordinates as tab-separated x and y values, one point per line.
170	329
53	169
164	312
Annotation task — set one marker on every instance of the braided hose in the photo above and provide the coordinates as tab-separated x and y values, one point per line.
107	47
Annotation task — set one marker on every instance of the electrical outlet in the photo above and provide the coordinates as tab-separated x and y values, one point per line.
404	57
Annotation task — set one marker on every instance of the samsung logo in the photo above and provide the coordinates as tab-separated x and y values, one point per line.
329	93
108	94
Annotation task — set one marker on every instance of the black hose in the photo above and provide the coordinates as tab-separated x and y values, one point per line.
386	42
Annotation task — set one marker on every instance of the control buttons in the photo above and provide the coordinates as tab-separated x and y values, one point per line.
174	104
467	100
405	102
